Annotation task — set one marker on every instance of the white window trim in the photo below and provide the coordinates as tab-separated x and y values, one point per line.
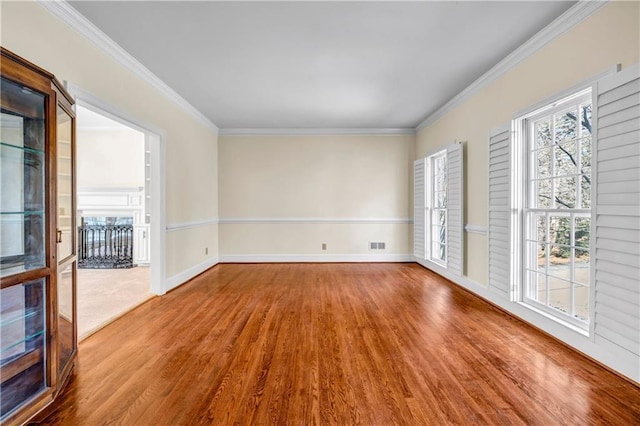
519	189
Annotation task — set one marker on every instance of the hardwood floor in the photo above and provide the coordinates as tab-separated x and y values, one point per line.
344	344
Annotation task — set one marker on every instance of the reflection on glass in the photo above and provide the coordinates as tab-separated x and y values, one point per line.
22	348
585	191
22	183
544	193
539	250
559	293
543	133
544	163
65	186
565	193
541	227
566	159
586	119
581	308
582	232
565	126
65	316
542	289
585	155
582	267
560	233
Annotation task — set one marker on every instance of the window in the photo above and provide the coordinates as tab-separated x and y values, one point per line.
437	207
556	207
438	227
564	212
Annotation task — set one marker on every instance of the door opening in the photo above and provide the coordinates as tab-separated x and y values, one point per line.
114	217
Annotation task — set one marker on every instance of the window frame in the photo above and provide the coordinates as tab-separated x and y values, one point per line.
523	157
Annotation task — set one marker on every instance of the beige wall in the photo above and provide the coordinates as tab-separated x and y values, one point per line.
608	37
353	177
190	147
109	158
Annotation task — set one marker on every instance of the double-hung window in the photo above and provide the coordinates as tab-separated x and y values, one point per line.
438	209
556	207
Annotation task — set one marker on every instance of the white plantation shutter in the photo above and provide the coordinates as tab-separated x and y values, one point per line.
419	206
499	210
616	316
455	225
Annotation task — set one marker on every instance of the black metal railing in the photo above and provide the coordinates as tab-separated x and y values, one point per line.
105	246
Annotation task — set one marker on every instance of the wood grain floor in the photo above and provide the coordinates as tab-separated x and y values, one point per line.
343	344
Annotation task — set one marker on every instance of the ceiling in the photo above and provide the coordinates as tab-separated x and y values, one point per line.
319	64
88	119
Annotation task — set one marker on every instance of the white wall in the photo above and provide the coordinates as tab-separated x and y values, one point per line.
610	36
31	31
286	195
109	158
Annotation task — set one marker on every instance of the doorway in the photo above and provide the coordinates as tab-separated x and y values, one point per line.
116	215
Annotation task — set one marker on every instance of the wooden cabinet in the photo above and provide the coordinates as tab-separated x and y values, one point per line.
38	337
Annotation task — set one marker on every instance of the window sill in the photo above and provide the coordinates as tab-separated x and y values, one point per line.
437	262
556	319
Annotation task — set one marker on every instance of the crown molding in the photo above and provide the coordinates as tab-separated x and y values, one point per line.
66	13
315	131
569	19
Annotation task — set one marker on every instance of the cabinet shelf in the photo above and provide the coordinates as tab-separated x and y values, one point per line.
23	340
22	148
25	212
11	265
29	314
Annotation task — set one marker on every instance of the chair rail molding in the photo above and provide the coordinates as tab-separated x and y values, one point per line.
317	220
475	229
192	224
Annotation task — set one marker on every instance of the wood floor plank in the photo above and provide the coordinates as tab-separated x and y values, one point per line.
324	344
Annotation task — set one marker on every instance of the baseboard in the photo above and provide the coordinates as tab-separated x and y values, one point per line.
184	276
315	258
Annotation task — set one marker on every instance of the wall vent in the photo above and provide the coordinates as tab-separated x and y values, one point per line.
377	245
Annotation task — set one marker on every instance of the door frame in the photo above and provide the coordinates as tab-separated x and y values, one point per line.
156	138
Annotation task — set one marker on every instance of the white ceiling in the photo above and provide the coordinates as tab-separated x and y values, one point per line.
88	119
319	64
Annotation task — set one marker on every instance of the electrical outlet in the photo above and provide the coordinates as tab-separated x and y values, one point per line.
324	246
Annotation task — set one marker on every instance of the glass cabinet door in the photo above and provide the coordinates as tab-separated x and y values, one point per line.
23	246
65	232
22	183
23	347
66	322
66	238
